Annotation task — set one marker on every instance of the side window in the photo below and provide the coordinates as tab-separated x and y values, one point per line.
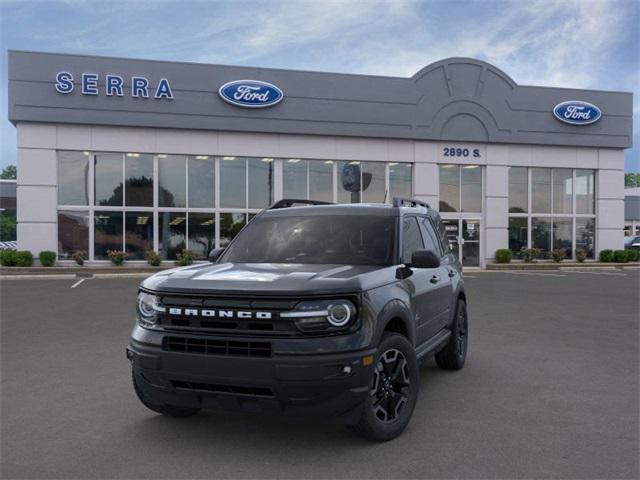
431	241
411	238
444	239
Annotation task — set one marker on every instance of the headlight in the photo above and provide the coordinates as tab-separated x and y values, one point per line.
322	315
148	309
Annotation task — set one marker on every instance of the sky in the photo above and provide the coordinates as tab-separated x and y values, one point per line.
566	43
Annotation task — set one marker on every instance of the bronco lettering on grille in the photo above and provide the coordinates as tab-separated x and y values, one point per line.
194	312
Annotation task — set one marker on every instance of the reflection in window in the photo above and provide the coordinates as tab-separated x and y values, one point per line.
585	192
171	234
108	233
321	180
541	235
585	235
201	182
138	236
562	235
518	190
373	182
411	238
108	179
541	190
73	233
233	182
73	178
172	190
471	192
260	182
399	180
349	178
449	188
202	234
517	235
230	226
138	173
562	190
294	178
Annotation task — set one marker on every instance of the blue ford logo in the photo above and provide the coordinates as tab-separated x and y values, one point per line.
250	93
576	112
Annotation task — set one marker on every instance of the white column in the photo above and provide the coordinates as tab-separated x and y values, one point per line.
610	200
496	210
426	179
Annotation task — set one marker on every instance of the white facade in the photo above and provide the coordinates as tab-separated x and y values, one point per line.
37	170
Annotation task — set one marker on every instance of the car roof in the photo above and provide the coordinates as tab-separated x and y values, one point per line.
365	209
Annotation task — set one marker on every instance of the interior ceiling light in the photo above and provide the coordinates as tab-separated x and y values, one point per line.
202	157
228	158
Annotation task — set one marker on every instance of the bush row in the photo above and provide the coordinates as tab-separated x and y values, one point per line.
620	256
504	255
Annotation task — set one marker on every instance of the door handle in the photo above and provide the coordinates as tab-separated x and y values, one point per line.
435	279
452	273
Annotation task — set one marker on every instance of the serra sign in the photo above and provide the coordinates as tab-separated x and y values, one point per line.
113	85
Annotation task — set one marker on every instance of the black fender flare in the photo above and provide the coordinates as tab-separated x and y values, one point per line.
395	309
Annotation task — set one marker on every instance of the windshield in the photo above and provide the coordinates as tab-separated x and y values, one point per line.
328	239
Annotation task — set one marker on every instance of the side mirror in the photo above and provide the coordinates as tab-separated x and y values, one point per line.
215	254
424	259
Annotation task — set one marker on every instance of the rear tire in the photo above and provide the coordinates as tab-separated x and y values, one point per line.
454	354
164	409
393	390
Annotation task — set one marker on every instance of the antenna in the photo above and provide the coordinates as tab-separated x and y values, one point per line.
386	195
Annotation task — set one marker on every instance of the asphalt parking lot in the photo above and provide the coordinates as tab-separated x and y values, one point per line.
550	390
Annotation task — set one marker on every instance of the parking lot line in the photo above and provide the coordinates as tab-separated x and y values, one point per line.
538	274
78	283
599	273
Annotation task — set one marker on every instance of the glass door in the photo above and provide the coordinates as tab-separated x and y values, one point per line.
464	237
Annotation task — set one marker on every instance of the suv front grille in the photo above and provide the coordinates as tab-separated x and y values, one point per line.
208	346
215	388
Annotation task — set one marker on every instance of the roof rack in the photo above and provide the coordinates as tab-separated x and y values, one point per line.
409	202
291	202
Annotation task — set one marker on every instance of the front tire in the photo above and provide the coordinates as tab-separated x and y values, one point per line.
393	390
164	409
454	354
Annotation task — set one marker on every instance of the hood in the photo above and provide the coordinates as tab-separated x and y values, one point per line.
270	279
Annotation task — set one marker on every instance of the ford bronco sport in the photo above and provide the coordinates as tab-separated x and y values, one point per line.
313	309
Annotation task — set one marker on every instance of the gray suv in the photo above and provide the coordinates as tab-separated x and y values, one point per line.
313	309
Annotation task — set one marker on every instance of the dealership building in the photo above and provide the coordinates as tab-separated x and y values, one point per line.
141	155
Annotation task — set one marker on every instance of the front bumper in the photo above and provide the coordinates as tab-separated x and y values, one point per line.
327	385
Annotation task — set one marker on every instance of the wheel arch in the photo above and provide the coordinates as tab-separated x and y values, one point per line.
396	317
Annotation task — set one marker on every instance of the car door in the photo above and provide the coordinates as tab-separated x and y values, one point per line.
443	285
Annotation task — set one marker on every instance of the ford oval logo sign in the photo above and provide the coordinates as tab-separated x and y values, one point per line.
576	112
250	93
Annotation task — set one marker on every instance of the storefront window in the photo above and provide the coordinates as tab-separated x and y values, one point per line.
233	182
585	192
471	191
585	235
400	179
138	234
541	190
541	235
73	178
73	233
518	190
172	234
373	182
562	235
260	182
321	180
107	234
108	179
562	190
517	235
294	178
202	234
230	226
138	174
172	190
449	188
201	181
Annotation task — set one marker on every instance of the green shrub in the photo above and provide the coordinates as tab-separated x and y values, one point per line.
79	256
581	254
558	255
620	256
153	258
117	256
7	258
606	256
503	255
24	258
633	255
186	257
531	254
47	258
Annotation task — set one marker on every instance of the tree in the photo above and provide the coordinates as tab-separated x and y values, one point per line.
632	180
9	172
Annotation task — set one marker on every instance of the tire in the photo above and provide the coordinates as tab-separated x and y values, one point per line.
454	354
393	393
169	410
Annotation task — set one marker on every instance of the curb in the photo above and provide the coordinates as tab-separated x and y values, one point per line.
561	266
